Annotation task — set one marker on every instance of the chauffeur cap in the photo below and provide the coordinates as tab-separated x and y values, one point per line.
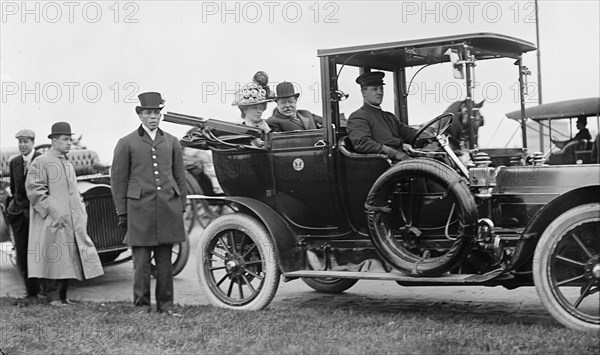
371	79
25	133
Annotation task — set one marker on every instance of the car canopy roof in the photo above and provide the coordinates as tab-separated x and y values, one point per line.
389	56
563	109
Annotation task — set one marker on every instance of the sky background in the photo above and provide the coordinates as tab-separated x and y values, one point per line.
86	62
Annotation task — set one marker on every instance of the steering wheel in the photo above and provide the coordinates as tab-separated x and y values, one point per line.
429	124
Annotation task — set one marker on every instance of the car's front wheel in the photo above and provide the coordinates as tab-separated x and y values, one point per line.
329	284
566	268
237	263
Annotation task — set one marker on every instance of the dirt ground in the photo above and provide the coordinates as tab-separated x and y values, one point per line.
116	285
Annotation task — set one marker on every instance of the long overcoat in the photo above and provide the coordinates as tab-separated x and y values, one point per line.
59	246
148	184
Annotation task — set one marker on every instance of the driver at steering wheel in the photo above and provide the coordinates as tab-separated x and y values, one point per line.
372	130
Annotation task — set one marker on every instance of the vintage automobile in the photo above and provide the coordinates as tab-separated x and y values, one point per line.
575	151
308	206
93	181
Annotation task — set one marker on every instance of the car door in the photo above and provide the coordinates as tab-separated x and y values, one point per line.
305	186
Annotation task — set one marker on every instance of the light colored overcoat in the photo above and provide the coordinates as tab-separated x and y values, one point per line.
148	184
59	246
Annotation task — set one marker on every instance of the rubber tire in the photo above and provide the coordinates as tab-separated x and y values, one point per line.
333	286
541	259
260	236
446	177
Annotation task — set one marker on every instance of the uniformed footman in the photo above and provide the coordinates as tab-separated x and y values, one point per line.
148	187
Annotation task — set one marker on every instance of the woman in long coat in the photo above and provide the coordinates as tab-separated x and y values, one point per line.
59	246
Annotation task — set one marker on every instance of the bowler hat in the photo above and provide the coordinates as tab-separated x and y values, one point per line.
285	89
25	133
150	101
371	79
60	128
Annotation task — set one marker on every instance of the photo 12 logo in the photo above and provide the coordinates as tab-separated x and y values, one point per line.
225	92
270	11
467	11
69	12
68	92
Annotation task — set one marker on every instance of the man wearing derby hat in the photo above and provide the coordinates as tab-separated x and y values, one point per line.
372	130
148	187
59	246
286	117
18	208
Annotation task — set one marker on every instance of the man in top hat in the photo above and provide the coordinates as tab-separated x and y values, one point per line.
148	187
372	130
59	246
582	134
18	208
286	117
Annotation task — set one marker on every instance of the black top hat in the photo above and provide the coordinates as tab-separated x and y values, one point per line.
285	89
582	119
371	79
150	101
60	128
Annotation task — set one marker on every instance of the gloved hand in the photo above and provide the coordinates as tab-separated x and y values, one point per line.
395	155
122	222
422	142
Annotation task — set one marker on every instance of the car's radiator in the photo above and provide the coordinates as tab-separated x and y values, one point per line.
102	222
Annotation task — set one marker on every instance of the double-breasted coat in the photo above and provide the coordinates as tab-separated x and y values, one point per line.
148	184
59	246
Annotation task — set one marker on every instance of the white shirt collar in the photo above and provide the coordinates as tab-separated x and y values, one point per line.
27	158
152	134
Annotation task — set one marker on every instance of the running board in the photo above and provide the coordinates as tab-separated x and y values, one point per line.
405	279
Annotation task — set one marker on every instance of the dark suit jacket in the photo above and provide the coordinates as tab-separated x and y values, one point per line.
281	123
370	129
148	184
20	201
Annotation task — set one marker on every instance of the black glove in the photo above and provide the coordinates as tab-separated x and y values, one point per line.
395	155
421	142
122	222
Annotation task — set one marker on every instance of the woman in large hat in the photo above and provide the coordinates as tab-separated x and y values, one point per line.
252	100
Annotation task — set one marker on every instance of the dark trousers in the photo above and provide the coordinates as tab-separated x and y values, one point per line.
20	227
164	276
54	289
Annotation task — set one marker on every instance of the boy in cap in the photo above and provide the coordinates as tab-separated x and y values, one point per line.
372	130
18	208
286	117
149	190
59	246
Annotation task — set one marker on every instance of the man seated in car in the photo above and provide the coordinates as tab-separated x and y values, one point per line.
372	130
286	117
583	134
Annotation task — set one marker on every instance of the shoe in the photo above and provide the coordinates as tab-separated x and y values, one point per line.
57	303
67	301
26	300
171	313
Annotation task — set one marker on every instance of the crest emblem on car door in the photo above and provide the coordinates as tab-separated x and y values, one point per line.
298	164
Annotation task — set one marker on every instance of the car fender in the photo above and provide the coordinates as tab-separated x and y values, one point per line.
546	215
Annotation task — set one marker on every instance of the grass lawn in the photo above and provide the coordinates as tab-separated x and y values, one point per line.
111	328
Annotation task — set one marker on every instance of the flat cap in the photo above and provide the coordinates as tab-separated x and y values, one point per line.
371	79
25	133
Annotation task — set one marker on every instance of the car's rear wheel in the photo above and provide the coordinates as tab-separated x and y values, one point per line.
237	264
566	268
422	217
329	284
